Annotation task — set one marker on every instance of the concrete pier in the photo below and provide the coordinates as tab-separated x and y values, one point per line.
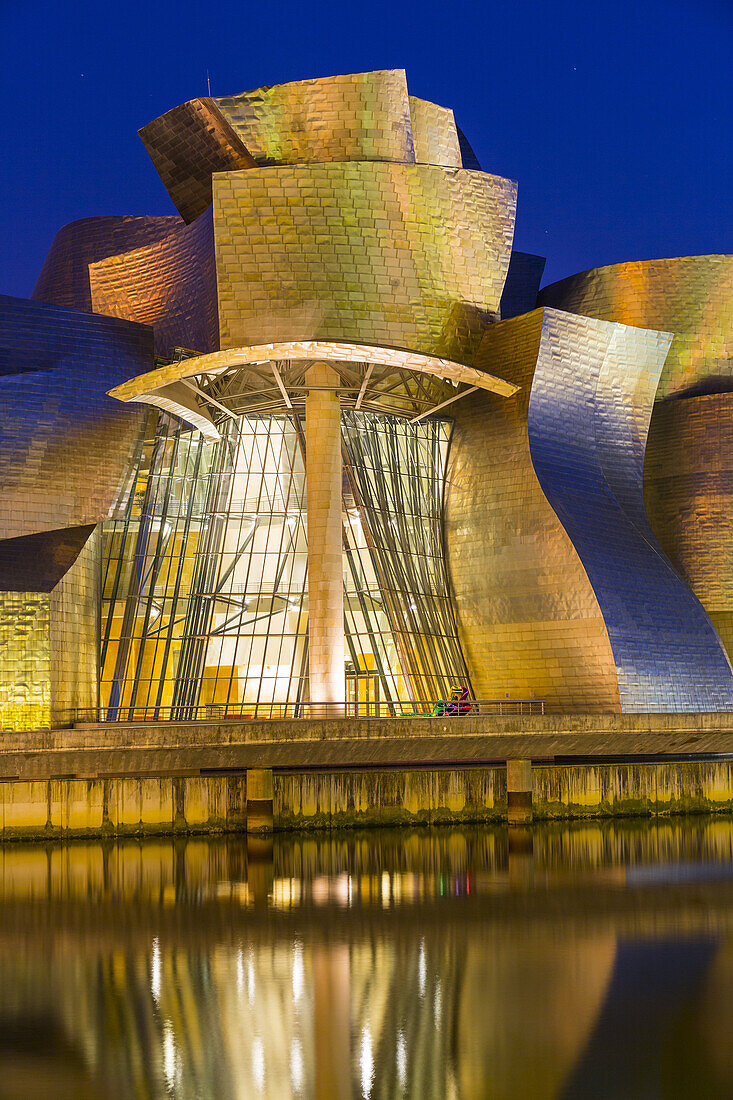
259	801
519	791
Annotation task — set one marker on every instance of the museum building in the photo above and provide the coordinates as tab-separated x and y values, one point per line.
320	437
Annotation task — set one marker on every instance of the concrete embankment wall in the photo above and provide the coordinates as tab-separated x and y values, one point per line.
121	807
343	799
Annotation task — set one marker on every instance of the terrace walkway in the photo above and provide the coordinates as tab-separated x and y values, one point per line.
231	745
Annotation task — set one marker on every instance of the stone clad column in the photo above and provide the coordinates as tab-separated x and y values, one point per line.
325	569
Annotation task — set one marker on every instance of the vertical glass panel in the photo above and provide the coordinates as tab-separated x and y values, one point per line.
204	597
400	621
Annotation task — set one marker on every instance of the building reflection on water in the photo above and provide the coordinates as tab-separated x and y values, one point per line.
590	959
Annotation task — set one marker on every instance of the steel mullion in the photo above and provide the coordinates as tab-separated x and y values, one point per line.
175	597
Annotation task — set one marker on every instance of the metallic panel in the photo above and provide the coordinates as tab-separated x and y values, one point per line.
605	621
170	285
38	562
688	490
186	145
434	134
687	480
65	452
528	619
588	419
25	661
360	116
74	635
522	284
468	156
691	296
65	446
404	255
64	277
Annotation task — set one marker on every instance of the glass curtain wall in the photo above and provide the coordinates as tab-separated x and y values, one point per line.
399	617
204	602
205	605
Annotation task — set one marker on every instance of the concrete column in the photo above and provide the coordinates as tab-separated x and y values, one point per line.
325	568
519	791
259	800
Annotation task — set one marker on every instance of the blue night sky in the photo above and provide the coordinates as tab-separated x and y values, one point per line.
614	116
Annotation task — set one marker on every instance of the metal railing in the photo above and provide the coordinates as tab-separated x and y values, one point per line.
425	708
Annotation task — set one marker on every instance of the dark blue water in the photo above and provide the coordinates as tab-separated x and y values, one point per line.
591	960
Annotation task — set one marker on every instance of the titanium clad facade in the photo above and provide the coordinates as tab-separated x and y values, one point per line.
690	296
528	618
687	483
408	256
688	489
170	285
434	134
361	116
65	453
65	447
588	420
600	613
187	145
480	486
64	278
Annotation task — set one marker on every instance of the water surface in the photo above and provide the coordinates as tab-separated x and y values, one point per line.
584	960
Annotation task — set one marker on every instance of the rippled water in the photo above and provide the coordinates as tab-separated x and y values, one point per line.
587	960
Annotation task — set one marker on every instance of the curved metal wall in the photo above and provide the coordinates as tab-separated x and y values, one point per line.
691	296
64	277
347	238
410	256
170	285
65	452
434	134
588	419
688	492
155	270
528	618
358	116
66	447
562	591
352	240
186	145
688	489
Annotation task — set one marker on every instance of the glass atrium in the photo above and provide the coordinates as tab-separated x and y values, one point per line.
204	570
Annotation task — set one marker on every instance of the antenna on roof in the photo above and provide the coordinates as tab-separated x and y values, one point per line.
208	83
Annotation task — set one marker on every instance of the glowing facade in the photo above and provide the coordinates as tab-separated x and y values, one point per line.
344	455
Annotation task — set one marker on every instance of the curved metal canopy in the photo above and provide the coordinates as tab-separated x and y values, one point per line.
271	378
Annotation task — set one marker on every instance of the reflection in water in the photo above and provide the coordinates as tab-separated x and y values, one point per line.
568	961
